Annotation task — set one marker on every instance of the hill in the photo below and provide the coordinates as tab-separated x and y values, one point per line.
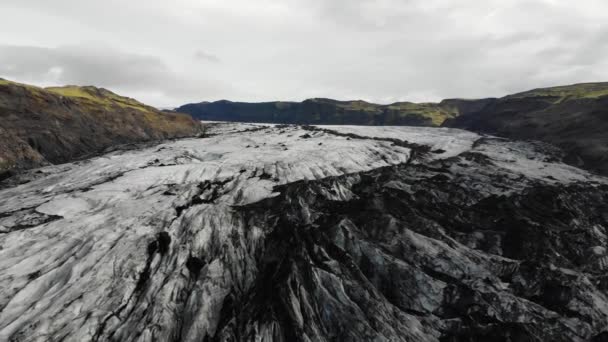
58	124
573	117
331	112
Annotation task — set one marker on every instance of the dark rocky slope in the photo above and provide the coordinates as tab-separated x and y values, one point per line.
574	118
55	125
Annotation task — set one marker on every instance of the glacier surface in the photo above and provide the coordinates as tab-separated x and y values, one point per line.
183	241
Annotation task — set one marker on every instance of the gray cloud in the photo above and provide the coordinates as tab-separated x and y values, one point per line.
101	66
205	56
379	50
80	65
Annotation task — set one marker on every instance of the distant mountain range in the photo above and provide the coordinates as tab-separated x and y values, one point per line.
55	125
573	117
333	112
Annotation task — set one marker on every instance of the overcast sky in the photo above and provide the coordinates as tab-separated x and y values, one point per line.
167	53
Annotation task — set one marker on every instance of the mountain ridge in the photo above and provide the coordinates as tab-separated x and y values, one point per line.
452	107
326	111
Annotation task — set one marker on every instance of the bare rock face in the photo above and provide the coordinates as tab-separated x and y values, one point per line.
291	233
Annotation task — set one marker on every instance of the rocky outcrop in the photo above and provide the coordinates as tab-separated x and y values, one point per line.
55	125
293	233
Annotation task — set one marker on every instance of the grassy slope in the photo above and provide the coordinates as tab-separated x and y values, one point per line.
59	124
433	112
102	98
565	93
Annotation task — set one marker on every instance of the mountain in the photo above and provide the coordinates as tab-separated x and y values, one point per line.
307	233
332	112
573	117
55	125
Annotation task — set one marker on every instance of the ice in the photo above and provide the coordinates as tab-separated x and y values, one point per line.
452	141
107	209
75	274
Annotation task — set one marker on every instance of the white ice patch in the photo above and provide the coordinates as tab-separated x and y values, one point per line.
66	206
450	140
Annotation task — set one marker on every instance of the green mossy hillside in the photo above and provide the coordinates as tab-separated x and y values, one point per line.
58	124
565	93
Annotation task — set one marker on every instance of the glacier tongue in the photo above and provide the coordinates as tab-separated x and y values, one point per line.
258	233
80	268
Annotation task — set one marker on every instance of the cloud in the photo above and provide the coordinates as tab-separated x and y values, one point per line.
81	64
102	66
205	56
379	50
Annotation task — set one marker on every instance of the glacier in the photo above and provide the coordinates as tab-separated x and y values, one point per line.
307	233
